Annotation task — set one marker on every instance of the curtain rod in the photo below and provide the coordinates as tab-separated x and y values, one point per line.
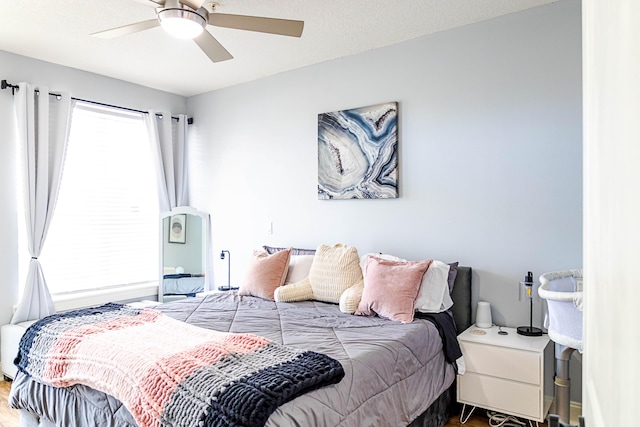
5	85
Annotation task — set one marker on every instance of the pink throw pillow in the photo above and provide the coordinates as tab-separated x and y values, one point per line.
266	273
391	288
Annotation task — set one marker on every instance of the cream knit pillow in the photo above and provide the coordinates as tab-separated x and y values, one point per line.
334	269
300	291
350	298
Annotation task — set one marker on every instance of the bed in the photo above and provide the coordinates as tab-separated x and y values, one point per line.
177	283
182	284
394	374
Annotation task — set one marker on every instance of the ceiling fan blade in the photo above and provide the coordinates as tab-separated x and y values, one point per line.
212	47
193	4
151	3
284	27
125	30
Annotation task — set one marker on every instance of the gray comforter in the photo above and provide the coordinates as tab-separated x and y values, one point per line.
393	371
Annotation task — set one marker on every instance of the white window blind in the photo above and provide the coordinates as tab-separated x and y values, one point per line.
105	229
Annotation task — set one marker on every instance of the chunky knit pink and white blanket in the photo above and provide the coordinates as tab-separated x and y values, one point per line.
170	373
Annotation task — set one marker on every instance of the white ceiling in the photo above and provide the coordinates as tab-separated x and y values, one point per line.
58	31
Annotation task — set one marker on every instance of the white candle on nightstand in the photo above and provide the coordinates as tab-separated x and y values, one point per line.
483	315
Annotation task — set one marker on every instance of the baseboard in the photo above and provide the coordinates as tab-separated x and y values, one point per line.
575	410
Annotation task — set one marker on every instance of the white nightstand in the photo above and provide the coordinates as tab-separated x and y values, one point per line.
511	374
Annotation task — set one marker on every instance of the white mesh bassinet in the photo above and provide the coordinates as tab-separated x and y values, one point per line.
563	292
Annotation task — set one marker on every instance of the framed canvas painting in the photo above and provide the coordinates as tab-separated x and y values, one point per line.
358	153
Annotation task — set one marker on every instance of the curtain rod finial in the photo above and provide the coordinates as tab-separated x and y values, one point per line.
4	84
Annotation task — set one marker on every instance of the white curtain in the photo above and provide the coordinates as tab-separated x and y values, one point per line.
43	130
168	140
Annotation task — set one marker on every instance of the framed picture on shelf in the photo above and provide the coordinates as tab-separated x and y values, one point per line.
178	228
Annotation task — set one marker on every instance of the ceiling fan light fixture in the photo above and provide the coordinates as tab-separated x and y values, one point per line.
182	23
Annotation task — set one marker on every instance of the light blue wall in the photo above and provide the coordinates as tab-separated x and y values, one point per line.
490	154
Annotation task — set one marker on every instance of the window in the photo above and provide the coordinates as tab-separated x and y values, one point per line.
105	229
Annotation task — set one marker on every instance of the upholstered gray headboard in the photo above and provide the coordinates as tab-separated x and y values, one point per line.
461	296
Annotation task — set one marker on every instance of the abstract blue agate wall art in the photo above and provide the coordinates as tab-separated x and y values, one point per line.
358	153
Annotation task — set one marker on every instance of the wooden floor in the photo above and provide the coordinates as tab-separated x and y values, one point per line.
9	417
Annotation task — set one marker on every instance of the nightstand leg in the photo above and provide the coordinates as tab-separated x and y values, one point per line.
464	419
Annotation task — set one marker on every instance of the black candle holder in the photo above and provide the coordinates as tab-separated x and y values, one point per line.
528	290
228	257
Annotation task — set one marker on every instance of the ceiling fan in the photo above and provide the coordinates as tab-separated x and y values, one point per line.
189	19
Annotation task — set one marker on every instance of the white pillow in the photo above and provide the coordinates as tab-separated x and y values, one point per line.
299	267
363	260
433	296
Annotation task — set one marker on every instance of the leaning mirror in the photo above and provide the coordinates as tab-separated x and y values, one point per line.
184	254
